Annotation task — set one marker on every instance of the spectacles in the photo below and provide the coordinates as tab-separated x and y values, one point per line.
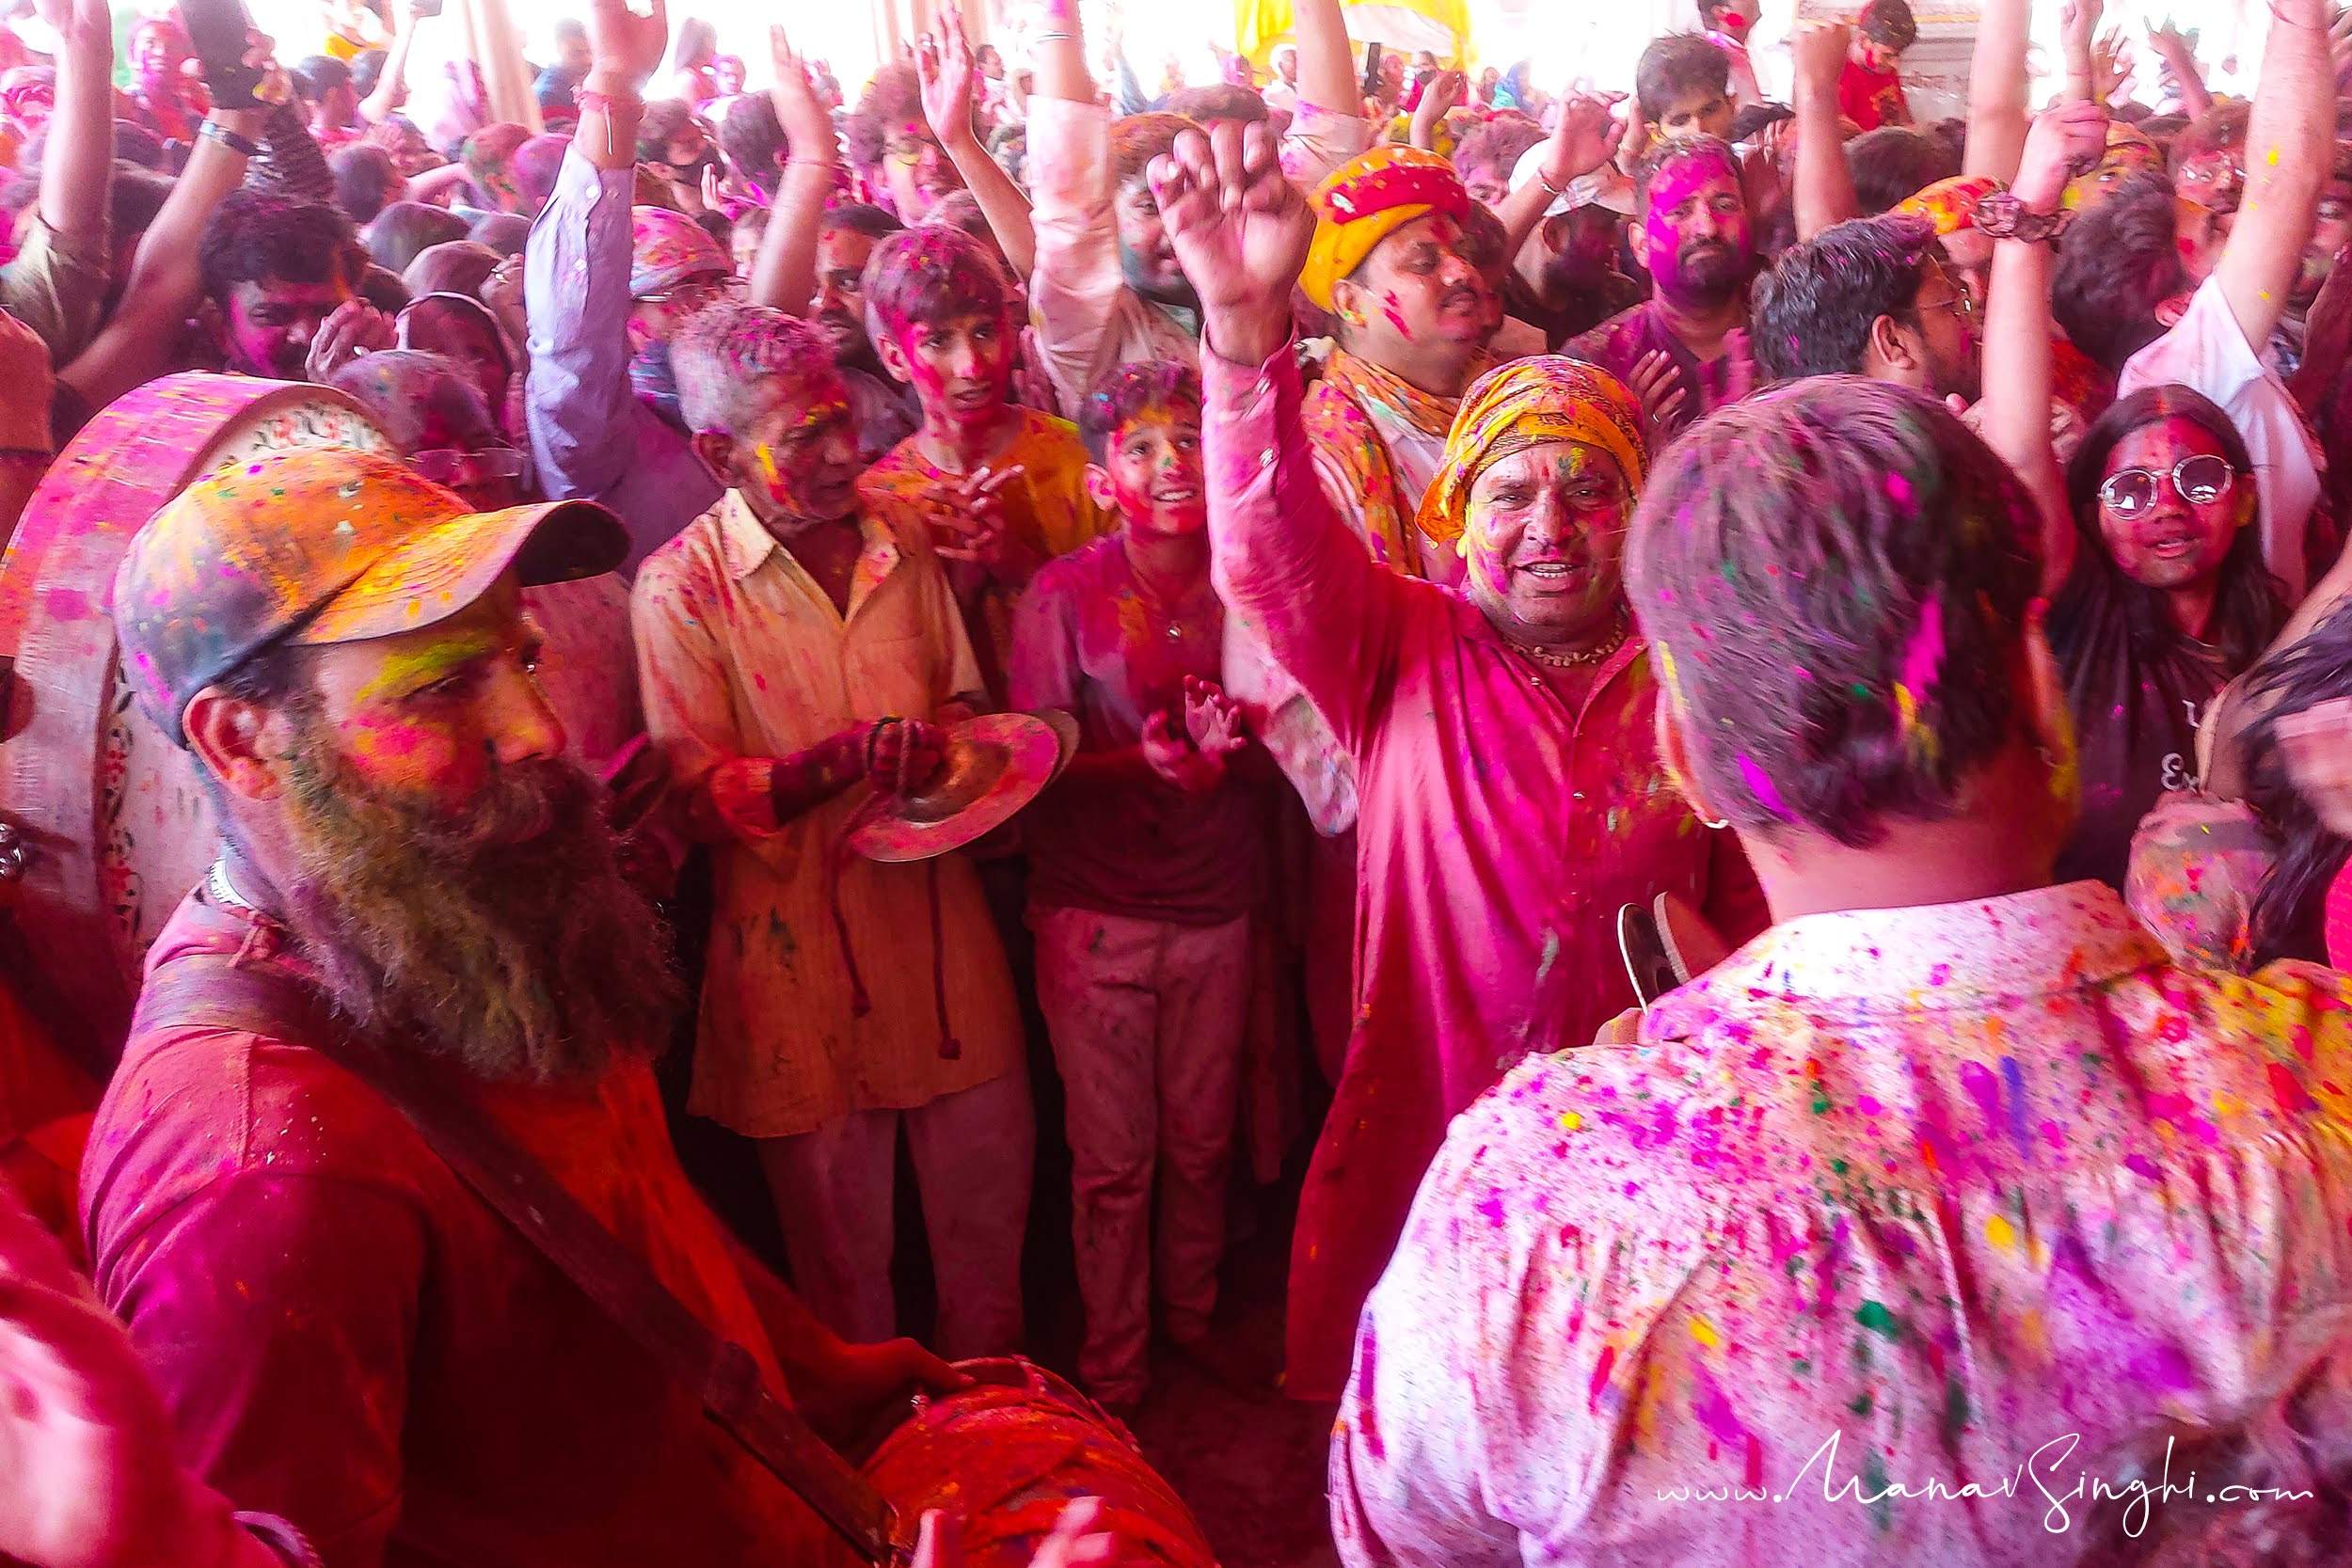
453	467
2200	479
1960	302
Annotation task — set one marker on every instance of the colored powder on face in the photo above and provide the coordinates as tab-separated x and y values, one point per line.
1396	316
1761	787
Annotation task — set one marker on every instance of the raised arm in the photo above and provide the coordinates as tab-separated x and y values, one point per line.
2293	125
1326	61
783	276
945	69
392	86
1823	188
2015	413
78	170
2078	24
1289	569
2180	60
1585	136
1997	112
576	268
1060	55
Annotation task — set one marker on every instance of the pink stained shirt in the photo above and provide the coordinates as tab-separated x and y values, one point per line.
1500	830
1981	1194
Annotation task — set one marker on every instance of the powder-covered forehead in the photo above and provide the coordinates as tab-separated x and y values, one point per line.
934	273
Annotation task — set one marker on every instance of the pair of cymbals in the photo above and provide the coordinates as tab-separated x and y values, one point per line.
995	764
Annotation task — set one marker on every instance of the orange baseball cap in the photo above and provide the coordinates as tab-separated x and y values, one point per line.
322	545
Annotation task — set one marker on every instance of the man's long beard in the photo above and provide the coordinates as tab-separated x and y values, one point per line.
525	957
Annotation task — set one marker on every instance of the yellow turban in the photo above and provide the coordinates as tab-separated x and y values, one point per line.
1950	204
1368	198
1543	399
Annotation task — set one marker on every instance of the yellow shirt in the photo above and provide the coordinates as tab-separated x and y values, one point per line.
740	653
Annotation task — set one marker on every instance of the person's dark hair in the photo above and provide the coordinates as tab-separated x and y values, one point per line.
1813	311
1953	132
667	120
752	138
367	70
1895	163
859	217
1750	122
751	220
381	288
932	272
715	223
1128	390
365	181
1836	575
1140	138
893	97
1670	151
2162	129
1483	237
131	202
2133	114
2115	267
697	44
1214	101
1889	23
1496	144
137	145
405	229
962	210
459	267
2288	918
2248	609
504	232
317	75
535	165
1675	66
253	237
2221	126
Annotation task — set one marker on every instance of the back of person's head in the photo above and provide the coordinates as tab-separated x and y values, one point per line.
1677	66
1126	392
752	138
1836	575
135	144
893	99
367	70
535	165
317	75
1889	23
570	30
459	267
1712	152
1895	163
2117	263
365	181
505	233
2218	129
1217	101
723	354
930	276
2248	609
962	210
131	202
404	230
1813	311
666	120
1140	138
858	217
255	237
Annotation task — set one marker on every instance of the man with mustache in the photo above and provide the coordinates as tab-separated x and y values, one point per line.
344	1333
1684	350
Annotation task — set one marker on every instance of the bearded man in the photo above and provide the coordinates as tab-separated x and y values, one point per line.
1510	799
344	1333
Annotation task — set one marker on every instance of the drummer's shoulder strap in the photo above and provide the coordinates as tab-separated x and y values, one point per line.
208	992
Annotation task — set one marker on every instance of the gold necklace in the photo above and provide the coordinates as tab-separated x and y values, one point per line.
1591	655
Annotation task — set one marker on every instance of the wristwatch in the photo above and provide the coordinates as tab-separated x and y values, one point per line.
2002	217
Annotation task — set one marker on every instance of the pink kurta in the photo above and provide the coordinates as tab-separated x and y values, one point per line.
1501	827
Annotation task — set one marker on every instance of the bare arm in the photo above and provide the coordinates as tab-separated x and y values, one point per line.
784	273
1823	188
1582	139
78	170
1061	54
1438	98
392	88
2078	23
2293	124
1997	114
1326	61
2015	413
2173	49
945	68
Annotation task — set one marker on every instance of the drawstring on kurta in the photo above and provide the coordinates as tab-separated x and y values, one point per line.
837	861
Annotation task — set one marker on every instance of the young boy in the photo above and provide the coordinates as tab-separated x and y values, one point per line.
1683	87
1870	90
1143	872
1003	487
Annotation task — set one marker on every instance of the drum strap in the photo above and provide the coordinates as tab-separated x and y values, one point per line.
217	993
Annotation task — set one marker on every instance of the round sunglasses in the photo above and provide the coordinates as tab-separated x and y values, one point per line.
2199	478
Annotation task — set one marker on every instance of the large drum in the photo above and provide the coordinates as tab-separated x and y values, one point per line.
112	825
1004	1456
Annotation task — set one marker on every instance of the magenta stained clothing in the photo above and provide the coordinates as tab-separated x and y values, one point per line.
1619	344
1978	1194
1086	639
1501	828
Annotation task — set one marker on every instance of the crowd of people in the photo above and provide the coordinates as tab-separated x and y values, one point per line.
1903	561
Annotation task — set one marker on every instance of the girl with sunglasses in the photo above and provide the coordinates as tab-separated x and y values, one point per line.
2165	601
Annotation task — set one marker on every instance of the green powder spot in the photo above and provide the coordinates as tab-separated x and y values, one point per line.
1838	1165
1878	1320
1862	691
1874	1486
1955	1408
1821	1101
1804	1369
1861	1406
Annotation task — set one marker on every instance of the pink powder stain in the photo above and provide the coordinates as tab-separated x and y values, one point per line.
2286	1091
1396	317
1712	1408
66	603
2053	1134
1923	660
2140	1165
1762	788
1869	1106
1600	1378
1982	1088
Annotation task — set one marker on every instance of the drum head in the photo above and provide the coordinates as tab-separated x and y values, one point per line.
116	826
